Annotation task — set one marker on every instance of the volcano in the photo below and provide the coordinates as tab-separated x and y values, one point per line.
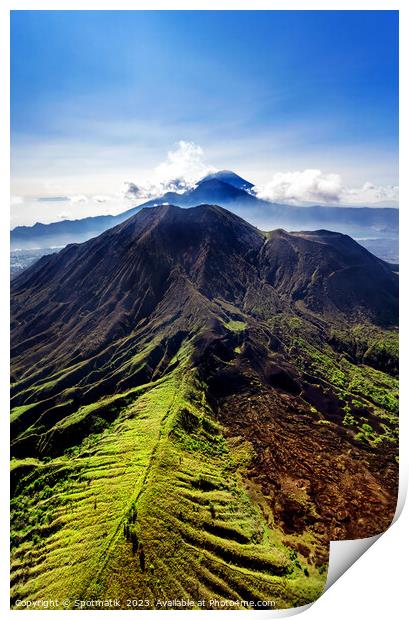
198	408
226	189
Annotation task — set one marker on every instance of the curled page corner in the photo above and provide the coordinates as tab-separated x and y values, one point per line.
344	553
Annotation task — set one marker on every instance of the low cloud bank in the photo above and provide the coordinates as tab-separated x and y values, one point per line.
314	186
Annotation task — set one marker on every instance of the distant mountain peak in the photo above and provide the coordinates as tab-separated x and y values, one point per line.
226	189
229	177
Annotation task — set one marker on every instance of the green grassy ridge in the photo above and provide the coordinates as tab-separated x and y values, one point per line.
62	408
118	357
176	530
90	504
235	326
16	412
129	361
120	361
72	511
78	370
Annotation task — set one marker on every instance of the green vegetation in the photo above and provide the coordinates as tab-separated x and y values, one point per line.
363	390
158	491
235	326
152	501
369	345
144	492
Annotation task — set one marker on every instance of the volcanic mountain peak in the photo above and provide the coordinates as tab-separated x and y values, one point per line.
200	398
176	229
130	271
205	214
229	177
217	190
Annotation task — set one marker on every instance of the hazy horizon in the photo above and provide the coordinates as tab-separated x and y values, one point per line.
97	103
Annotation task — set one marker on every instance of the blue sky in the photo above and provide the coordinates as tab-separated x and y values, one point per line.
101	98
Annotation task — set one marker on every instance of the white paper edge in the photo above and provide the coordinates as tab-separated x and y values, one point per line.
344	553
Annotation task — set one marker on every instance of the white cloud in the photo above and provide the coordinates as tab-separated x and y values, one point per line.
371	193
101	199
185	165
297	187
314	186
181	170
16	200
78	198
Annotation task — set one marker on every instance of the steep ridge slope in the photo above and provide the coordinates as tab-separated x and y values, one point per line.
330	273
198	408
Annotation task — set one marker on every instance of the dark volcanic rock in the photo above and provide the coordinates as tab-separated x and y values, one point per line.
77	301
